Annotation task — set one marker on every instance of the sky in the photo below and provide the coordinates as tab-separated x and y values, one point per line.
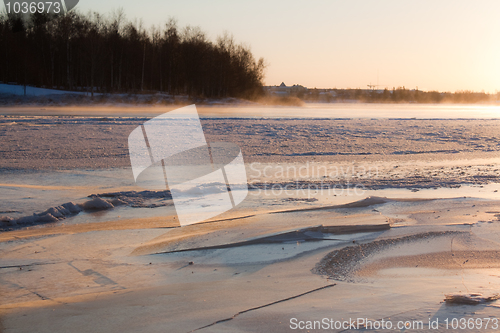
433	45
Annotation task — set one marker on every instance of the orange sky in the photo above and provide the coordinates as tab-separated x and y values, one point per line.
435	45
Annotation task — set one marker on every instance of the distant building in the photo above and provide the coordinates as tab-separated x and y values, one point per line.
284	90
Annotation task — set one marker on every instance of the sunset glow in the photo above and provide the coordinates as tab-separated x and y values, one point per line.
445	46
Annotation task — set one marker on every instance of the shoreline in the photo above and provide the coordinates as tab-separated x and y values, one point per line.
276	277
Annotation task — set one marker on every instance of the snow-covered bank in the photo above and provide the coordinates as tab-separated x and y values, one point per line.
14	95
18	90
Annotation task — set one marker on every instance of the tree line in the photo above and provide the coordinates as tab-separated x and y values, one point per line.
109	54
396	95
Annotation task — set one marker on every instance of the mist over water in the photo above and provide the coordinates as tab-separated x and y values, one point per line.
359	110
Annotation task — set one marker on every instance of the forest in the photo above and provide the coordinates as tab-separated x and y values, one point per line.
109	54
396	95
